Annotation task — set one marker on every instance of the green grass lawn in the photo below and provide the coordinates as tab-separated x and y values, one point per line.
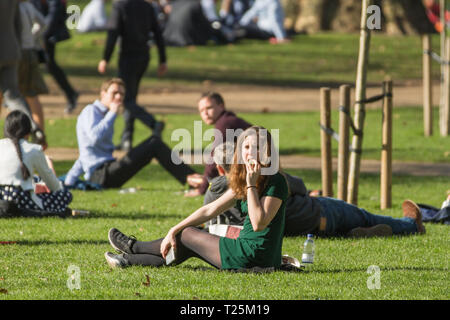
309	60
298	133
413	267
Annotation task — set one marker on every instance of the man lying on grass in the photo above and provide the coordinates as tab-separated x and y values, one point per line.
95	128
257	188
322	216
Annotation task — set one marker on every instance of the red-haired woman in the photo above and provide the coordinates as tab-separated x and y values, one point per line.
256	188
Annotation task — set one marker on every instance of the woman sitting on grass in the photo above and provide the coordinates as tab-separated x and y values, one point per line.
19	160
259	191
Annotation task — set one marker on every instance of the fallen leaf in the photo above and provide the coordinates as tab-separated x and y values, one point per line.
113	205
146	284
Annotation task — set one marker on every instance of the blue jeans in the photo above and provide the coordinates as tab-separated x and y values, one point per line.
343	217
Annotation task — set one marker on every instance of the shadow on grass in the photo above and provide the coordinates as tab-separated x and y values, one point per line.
233	77
62	242
412	268
125	216
132	216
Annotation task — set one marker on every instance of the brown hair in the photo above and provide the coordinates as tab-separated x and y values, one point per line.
238	171
107	83
213	96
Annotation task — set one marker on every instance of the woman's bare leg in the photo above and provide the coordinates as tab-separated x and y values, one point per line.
36	111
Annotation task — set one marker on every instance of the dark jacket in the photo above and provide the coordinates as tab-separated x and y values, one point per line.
302	211
218	186
55	15
9	31
134	21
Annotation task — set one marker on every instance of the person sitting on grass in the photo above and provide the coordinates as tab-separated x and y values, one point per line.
256	187
213	111
95	128
19	160
321	216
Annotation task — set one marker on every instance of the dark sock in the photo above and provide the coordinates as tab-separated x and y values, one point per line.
144	260
147	247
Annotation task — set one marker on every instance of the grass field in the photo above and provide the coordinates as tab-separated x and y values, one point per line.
298	132
326	58
36	267
413	267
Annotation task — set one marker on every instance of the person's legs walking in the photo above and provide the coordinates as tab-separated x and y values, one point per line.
58	74
131	70
11	94
36	111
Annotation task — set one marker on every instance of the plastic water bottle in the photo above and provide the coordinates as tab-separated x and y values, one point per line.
308	250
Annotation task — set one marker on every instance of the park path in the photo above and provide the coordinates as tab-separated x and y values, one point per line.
248	98
239	98
312	163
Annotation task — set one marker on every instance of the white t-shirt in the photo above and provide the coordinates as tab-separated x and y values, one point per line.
33	158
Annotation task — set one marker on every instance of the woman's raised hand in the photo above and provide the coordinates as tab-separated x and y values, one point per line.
253	172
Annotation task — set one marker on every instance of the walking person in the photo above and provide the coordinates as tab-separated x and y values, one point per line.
31	82
55	15
133	21
10	54
261	197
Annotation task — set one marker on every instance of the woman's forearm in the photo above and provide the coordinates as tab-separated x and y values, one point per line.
255	210
198	217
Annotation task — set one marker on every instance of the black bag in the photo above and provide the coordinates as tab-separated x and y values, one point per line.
8	209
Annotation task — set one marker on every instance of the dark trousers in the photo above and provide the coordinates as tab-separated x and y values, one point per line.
253	32
114	174
57	73
131	70
343	217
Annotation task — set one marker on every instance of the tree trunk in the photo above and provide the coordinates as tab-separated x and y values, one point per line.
348	16
311	16
398	16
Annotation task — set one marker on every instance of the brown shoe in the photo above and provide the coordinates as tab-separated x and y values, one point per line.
379	230
412	210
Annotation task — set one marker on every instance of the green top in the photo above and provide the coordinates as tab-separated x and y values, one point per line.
262	248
